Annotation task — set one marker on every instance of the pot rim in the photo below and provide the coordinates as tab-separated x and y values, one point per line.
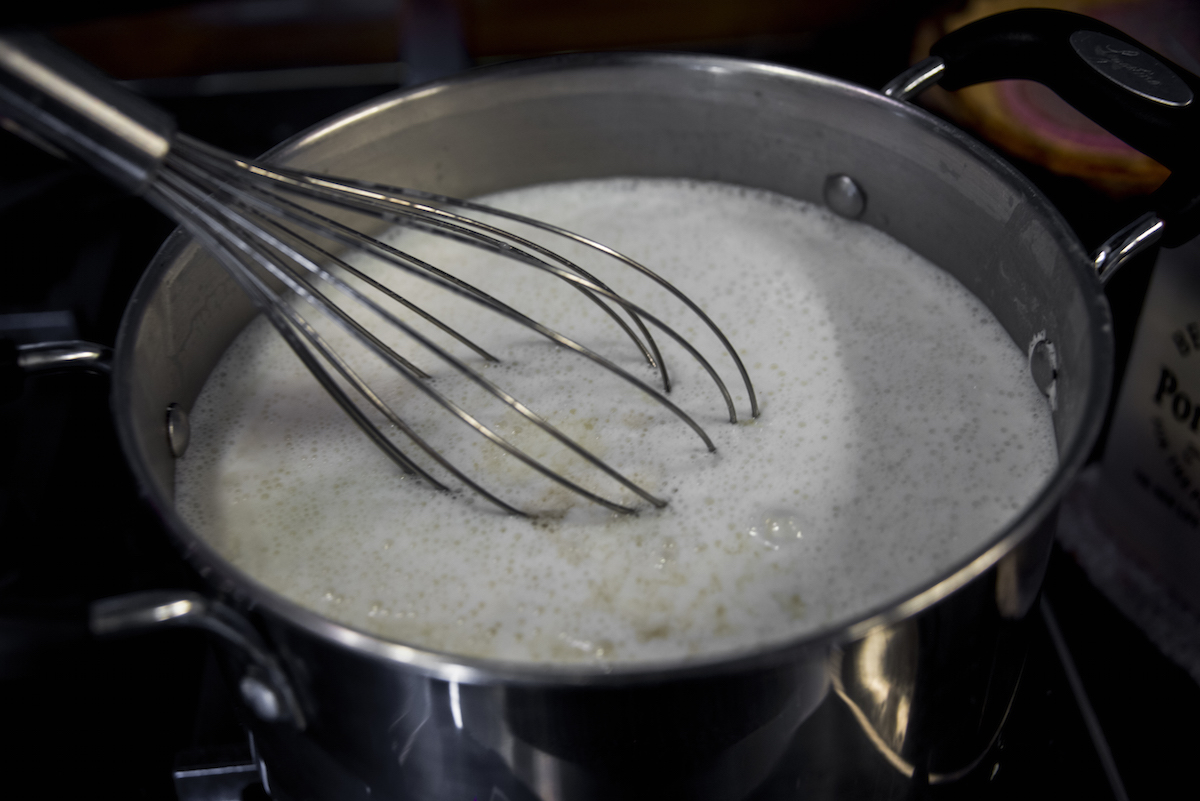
254	596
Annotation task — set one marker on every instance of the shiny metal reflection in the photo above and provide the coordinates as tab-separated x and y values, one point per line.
179	429
876	677
916	79
1122	246
845	196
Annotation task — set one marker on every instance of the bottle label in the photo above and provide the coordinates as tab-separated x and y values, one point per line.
1151	468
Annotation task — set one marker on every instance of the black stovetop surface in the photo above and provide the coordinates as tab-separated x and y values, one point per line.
86	718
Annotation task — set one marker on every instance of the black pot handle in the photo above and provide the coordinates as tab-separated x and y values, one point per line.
1139	96
1134	93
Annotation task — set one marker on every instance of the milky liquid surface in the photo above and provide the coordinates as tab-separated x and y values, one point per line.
899	431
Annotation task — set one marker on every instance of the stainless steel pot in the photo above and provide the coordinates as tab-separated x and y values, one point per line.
339	713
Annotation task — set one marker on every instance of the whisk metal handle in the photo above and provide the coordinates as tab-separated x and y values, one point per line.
60	103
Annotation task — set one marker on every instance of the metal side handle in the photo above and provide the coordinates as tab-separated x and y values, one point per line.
71	355
264	686
18	361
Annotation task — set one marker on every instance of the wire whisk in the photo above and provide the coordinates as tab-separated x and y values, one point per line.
280	233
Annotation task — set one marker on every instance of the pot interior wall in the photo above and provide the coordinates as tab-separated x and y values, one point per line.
704	118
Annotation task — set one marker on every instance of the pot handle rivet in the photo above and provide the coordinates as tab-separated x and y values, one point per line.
179	429
261	699
1043	366
844	196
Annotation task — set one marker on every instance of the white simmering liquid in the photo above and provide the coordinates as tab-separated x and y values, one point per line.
899	431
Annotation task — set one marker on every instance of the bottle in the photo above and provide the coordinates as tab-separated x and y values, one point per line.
1133	521
1148	498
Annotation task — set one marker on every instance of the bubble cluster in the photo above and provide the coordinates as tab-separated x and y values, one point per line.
900	430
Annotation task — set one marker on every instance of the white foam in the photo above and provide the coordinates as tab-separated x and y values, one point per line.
899	431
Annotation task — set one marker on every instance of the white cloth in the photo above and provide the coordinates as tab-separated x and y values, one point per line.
1163	617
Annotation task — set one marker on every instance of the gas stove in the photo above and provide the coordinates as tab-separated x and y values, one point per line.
1099	712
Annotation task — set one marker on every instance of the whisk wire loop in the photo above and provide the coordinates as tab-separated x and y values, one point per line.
348	236
384	191
416	216
435	217
213	236
287	322
378	286
327	227
245	243
258	234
